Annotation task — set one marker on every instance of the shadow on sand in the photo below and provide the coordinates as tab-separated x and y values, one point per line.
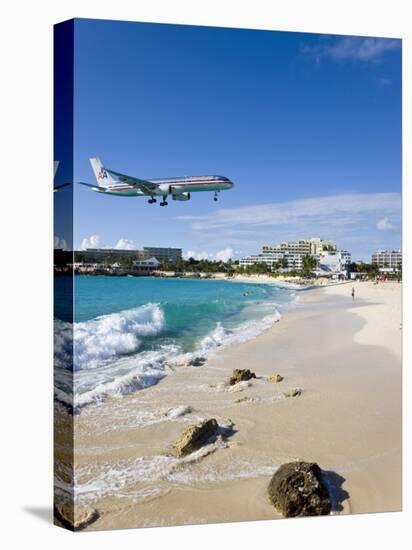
337	494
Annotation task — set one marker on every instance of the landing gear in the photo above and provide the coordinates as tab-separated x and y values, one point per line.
215	197
164	201
152	200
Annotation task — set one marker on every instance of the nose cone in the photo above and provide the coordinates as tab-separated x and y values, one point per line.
230	184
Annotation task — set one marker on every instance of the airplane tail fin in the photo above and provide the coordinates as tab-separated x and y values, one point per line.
104	179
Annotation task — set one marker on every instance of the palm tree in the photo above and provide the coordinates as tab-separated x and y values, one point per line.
165	265
308	264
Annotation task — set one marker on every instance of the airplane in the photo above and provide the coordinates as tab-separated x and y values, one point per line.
57	187
180	189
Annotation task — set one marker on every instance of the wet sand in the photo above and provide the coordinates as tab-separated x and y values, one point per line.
343	354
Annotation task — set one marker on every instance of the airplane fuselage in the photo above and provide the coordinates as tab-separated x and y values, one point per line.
173	186
111	182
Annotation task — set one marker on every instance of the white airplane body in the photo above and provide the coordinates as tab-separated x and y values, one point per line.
115	183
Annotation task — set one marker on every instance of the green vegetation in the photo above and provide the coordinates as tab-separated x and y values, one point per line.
191	265
369	270
258	269
205	266
308	265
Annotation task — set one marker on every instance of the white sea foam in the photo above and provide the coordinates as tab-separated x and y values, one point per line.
106	362
91	482
246	331
127	478
119	418
116	334
121	377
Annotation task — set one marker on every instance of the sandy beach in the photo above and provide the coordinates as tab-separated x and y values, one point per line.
345	356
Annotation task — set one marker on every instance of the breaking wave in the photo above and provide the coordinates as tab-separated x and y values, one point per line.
108	336
107	360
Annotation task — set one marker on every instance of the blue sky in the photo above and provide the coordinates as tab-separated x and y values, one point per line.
307	126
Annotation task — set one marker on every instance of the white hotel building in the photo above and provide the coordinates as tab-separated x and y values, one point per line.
390	259
329	259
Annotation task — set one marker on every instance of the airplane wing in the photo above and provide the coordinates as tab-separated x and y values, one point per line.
94	187
146	186
57	187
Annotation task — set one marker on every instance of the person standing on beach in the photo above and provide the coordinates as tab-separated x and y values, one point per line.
353	293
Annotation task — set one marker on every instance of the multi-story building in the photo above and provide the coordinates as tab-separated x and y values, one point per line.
387	258
312	247
106	255
270	259
291	255
289	260
170	255
346	258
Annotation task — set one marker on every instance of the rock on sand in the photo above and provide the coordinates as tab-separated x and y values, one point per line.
241	375
195	437
293	392
75	516
297	489
276	378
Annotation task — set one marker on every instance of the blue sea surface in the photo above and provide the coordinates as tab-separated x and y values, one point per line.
131	331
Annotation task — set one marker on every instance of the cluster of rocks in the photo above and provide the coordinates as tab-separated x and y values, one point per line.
243	375
295	489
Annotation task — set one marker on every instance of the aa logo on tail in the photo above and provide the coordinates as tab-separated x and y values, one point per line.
102	174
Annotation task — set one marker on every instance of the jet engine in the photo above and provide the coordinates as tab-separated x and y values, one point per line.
181	196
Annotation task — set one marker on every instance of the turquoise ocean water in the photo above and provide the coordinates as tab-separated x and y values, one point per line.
132	331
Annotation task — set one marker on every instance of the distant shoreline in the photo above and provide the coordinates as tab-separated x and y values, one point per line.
294	281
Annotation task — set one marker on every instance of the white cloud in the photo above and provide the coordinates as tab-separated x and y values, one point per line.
94	241
224	255
333	210
384	224
195	255
125	244
60	244
352	48
221	256
349	219
90	242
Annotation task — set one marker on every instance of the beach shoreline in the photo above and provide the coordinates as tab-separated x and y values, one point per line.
343	354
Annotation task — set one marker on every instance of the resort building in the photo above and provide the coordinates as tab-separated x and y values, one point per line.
269	259
391	259
170	255
109	255
312	247
288	256
146	265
